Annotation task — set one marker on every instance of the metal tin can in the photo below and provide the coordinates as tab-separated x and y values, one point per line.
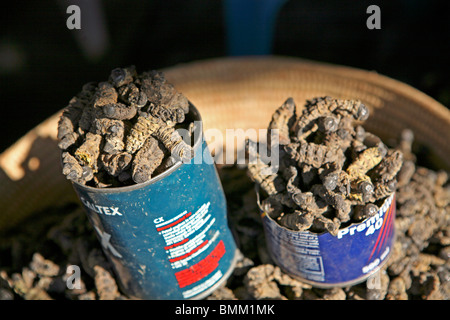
167	238
325	261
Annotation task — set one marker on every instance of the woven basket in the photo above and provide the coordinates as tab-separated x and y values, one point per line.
232	93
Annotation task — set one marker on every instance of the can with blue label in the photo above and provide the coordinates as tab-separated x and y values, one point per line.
326	261
167	238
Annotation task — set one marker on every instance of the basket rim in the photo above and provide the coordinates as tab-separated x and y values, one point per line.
401	88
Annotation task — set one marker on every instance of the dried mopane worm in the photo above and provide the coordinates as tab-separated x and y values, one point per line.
116	163
174	143
326	106
165	101
282	121
119	111
89	151
68	122
147	159
120	131
332	172
143	128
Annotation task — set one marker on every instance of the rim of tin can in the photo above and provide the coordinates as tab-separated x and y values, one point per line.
195	116
265	214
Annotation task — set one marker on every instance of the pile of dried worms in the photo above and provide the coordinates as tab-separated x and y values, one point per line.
123	131
35	256
331	172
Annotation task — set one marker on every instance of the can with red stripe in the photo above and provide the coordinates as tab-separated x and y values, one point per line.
167	238
324	260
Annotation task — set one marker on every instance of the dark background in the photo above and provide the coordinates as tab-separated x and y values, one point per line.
42	65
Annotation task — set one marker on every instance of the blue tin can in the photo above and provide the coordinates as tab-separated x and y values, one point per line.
167	238
326	261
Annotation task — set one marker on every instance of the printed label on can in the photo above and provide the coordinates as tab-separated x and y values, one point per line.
185	237
167	238
328	260
194	247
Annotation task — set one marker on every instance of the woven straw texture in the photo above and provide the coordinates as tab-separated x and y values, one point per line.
232	93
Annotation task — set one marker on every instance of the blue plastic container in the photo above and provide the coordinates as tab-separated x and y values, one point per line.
326	261
167	238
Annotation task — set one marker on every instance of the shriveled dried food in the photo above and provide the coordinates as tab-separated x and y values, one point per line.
418	267
107	131
332	172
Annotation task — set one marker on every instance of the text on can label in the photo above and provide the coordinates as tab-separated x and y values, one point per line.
109	211
372	224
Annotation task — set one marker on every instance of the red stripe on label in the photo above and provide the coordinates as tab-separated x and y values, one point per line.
176	244
385	222
389	224
190	252
201	269
170	225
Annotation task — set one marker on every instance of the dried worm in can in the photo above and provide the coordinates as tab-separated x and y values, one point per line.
89	151
146	160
